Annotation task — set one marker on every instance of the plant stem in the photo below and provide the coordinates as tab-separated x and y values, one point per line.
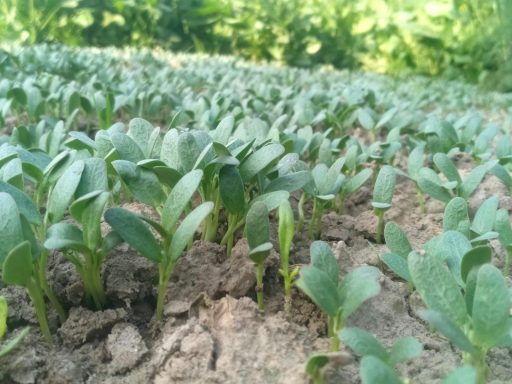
93	286
300	208
43	282
478	361
316	219
212	222
260	270
164	274
508	257
421	200
38	300
341	204
380	225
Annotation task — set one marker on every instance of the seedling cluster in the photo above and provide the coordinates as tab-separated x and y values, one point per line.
219	156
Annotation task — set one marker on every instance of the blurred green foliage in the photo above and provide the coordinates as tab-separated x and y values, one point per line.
454	37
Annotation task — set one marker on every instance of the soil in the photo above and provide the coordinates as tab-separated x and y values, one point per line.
212	331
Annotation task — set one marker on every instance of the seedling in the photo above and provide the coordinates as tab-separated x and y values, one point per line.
475	322
430	182
18	250
338	298
318	361
257	230
399	245
382	197
383	362
286	233
165	251
84	247
326	183
350	185
5	349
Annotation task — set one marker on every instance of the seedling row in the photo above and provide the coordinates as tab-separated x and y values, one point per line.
220	152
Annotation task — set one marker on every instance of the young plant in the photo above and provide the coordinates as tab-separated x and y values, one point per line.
338	298
165	251
383	362
15	341
400	247
257	230
475	321
84	247
324	187
18	253
318	361
430	182
286	233
350	185
382	197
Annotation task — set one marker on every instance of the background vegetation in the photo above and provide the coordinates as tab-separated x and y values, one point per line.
469	38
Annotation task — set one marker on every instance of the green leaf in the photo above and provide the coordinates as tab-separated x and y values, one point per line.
11	232
446	166
359	285
25	205
142	183
4	310
456	217
94	177
397	264
258	161
63	236
135	232
491	307
126	147
503	227
454	246
88	210
290	182
18	266
188	150
271	199
365	119
437	287
374	371
355	182
223	131
286	229
430	183
231	189
384	187
448	328
260	253
474	257
485	216
396	239
404	349
473	180
179	198
323	258
257	226
462	375
169	152
64	190
363	343
186	230
140	131
415	162
13	343
315	364
320	289
331	183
